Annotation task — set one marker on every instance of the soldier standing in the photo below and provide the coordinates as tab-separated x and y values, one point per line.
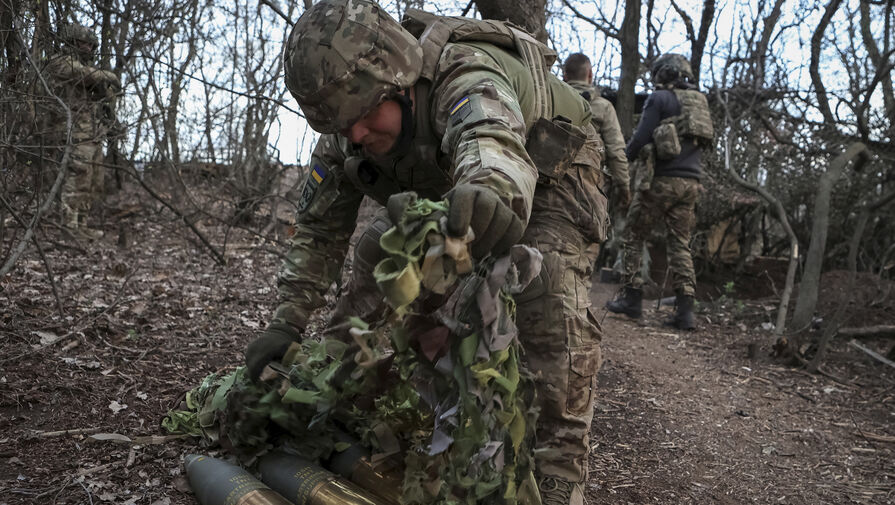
88	91
578	72
463	110
674	130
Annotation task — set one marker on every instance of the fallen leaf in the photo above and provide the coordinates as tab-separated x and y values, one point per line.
182	485
46	338
110	437
117	407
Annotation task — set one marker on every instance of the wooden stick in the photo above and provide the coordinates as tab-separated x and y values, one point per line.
62	433
881	330
875	355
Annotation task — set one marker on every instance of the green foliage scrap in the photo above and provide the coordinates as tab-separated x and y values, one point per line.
444	389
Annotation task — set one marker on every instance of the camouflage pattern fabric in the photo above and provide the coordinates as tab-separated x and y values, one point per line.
606	123
482	108
672	200
84	88
439	385
378	70
84	182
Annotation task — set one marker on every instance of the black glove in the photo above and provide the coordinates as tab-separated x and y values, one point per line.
496	226
270	346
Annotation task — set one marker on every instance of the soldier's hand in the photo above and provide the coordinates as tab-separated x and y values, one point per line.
270	346
623	196
496	226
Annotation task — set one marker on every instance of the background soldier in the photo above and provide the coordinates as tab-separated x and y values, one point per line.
674	130
578	72
446	120
88	92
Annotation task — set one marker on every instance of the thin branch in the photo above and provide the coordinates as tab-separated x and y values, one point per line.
224	88
688	22
43	256
279	12
216	255
609	32
467	8
823	102
57	184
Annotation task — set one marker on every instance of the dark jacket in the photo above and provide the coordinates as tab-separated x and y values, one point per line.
660	105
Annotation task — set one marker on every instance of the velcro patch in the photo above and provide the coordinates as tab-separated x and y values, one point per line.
460	110
315	177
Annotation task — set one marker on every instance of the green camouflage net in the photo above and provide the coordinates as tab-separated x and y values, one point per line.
443	389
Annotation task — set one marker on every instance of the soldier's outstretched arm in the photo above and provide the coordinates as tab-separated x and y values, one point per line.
325	219
327	211
482	125
66	68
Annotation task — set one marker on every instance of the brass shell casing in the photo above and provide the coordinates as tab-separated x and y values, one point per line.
304	483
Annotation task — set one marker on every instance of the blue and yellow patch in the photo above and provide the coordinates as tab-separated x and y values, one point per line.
318	174
460	110
315	177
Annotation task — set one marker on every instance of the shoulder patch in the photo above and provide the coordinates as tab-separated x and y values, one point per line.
315	177
460	110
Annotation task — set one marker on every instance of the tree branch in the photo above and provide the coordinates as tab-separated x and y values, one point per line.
823	102
57	184
216	255
609	32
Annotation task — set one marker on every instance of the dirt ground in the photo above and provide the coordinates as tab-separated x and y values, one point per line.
681	417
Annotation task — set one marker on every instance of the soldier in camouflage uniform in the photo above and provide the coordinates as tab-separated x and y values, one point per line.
578	72
673	132
463	110
88	92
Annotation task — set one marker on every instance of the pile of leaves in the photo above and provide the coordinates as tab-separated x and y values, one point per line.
437	381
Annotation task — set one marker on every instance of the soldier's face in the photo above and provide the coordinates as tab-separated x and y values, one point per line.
378	131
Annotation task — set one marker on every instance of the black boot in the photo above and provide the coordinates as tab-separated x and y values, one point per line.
683	318
628	304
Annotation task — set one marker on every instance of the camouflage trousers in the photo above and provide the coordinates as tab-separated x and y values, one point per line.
84	181
559	333
672	200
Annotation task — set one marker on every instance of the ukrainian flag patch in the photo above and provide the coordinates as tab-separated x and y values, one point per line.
315	177
318	174
460	110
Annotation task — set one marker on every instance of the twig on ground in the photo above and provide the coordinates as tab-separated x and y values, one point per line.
873	354
62	433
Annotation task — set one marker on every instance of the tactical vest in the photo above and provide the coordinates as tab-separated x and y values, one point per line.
695	120
425	169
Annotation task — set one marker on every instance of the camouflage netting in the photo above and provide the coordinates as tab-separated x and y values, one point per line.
442	388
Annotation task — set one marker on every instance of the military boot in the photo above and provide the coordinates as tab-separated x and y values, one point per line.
683	318
556	491
629	304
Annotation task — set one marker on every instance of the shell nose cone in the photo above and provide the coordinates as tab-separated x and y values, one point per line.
190	458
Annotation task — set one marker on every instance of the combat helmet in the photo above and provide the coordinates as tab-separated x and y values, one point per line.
73	33
671	67
345	57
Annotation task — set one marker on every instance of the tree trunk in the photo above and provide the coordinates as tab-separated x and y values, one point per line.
810	283
529	14
629	37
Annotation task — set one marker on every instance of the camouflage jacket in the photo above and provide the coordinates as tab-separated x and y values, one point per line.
85	89
476	110
606	123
